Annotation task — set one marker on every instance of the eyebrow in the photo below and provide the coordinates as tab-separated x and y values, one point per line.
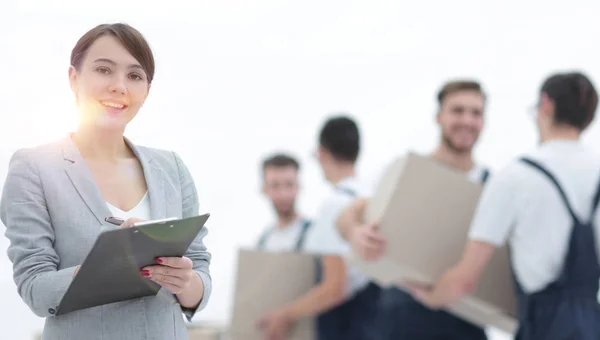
115	64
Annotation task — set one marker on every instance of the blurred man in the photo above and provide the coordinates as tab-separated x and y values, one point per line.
460	118
545	206
280	185
345	301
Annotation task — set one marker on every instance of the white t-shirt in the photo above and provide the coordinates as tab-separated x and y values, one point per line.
283	239
520	205
141	210
323	237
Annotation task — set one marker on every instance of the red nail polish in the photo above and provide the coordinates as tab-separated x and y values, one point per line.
146	273
158	260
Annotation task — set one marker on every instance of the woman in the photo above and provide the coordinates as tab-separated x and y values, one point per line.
546	207
56	197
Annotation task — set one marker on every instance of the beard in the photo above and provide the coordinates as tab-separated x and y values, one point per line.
455	148
285	212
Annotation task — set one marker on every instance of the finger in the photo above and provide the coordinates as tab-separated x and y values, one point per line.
373	225
413	287
419	285
273	333
175	262
374	236
170	287
281	332
372	255
373	245
261	323
130	222
166	270
425	298
173	280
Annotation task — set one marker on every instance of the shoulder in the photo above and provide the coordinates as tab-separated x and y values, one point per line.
41	155
168	160
161	156
511	175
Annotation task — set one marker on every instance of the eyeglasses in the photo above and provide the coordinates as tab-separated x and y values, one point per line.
533	110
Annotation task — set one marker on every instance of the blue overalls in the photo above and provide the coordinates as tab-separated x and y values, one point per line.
404	318
568	307
354	319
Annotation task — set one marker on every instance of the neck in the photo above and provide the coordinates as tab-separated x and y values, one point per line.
339	172
561	133
284	221
100	145
459	160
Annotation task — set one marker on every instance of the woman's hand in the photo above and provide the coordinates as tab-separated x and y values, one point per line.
130	222
173	273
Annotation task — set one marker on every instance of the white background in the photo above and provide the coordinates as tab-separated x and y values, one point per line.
237	80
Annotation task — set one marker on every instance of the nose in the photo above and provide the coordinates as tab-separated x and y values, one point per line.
118	86
469	117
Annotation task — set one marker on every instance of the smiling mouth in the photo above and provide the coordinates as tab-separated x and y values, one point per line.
114	105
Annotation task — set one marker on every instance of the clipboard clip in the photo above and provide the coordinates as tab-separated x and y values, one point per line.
163	220
118	221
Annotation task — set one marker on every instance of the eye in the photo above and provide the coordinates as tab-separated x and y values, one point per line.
458	109
103	70
136	76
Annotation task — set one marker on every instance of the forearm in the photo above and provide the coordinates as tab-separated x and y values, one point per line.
350	218
318	300
43	292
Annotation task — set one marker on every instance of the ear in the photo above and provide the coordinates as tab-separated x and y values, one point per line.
321	152
437	117
264	188
546	106
73	78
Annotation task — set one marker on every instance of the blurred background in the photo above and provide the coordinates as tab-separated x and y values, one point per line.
237	80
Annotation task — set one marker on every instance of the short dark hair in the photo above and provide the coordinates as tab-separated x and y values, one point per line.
575	99
280	160
340	136
458	86
129	37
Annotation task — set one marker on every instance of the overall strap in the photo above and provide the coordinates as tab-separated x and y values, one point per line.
595	203
553	179
346	191
263	238
485	175
300	243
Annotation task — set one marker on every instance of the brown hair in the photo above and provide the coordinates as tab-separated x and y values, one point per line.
458	86
130	38
280	160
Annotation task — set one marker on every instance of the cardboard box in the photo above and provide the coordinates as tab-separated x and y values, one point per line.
425	210
201	333
266	281
206	330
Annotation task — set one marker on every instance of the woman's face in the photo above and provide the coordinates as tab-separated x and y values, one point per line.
110	85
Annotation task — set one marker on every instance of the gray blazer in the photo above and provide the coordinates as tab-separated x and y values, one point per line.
53	212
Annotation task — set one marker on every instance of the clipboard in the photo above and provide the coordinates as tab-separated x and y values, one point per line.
111	271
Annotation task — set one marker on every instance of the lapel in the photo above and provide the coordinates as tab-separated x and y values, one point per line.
155	181
83	181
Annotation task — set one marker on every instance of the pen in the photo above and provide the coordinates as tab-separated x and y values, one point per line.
114	220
